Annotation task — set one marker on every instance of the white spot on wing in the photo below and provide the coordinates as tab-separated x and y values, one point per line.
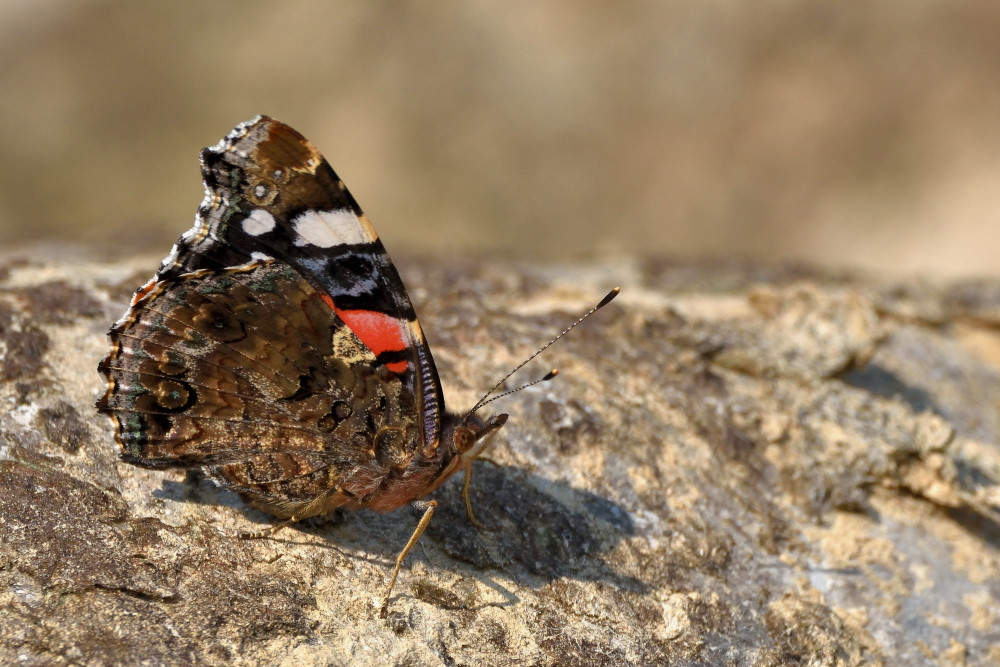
258	222
327	229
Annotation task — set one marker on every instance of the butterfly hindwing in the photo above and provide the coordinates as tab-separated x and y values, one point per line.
249	373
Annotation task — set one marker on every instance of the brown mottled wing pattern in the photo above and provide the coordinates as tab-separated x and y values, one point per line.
247	372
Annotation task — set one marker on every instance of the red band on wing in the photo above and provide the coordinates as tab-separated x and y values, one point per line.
378	331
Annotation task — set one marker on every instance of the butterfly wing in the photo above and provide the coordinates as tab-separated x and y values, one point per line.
248	373
269	193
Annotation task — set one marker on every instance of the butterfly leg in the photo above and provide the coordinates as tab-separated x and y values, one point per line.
468	501
270	530
428	506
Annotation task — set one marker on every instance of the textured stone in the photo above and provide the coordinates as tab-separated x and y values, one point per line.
738	464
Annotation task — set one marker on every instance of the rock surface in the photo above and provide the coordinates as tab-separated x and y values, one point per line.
738	465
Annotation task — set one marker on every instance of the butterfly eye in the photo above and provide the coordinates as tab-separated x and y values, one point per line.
464	439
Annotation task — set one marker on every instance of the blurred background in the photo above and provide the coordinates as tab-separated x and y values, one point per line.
850	134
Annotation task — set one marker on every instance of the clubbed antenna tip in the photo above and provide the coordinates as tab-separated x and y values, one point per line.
609	298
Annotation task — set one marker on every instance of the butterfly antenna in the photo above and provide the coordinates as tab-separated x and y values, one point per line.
551	374
548	376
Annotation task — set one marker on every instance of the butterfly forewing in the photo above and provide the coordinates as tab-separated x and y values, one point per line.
271	194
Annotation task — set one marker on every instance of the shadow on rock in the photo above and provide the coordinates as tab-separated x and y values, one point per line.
881	382
536	530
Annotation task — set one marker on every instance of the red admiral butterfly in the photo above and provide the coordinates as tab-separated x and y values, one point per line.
277	349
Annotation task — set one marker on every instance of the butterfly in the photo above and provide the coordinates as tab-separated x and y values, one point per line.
277	349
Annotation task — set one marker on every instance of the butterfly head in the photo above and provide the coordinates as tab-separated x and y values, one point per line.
472	436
